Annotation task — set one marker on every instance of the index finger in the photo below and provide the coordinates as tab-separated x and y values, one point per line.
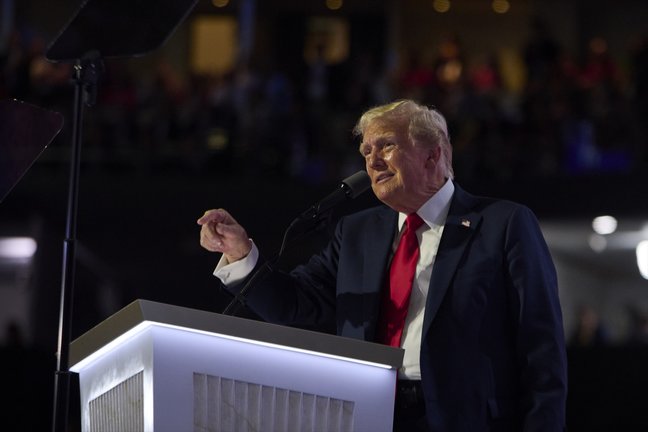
212	216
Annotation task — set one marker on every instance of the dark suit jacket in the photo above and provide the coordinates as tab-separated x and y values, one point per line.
492	349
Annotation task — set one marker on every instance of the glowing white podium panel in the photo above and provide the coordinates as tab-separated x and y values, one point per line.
156	367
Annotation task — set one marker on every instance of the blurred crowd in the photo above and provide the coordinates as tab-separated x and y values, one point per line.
574	112
592	331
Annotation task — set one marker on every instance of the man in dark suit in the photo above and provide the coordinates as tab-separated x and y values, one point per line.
482	332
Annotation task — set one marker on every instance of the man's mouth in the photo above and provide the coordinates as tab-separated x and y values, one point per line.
381	178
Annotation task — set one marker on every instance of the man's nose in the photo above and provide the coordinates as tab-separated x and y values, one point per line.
375	159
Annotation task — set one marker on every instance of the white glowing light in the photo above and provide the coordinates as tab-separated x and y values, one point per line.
17	247
146	324
604	225
642	258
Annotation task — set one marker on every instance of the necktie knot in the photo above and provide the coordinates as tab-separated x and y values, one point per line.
413	222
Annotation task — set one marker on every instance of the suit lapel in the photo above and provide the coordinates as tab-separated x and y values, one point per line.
461	224
379	237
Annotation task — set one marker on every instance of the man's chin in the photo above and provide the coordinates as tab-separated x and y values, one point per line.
384	194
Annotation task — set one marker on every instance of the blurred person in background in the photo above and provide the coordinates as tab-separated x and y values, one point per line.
589	330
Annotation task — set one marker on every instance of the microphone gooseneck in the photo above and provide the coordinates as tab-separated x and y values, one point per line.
349	188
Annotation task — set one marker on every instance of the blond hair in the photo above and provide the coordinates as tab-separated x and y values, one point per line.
425	126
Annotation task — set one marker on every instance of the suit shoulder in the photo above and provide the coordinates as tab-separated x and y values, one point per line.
365	215
362	220
488	204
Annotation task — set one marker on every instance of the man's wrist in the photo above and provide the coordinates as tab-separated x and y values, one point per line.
231	273
232	259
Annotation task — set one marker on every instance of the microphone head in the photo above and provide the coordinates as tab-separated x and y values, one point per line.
356	184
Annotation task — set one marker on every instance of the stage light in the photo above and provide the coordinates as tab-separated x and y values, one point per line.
334	4
501	6
441	6
220	3
17	247
642	258
604	224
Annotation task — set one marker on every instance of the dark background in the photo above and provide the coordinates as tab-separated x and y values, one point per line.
151	166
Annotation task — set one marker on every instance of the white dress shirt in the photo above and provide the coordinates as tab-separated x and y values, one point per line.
433	213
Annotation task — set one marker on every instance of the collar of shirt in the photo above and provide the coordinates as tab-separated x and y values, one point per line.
435	210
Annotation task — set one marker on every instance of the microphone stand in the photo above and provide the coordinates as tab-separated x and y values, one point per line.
317	220
87	73
115	28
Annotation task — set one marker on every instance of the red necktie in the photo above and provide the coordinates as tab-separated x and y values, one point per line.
395	300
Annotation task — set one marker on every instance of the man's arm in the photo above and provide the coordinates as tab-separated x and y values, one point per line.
540	336
303	297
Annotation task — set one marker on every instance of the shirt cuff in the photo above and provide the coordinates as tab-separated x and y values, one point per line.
230	274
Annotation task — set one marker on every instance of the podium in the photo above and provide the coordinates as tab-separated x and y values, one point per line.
164	368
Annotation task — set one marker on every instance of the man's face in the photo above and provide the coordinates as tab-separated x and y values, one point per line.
401	173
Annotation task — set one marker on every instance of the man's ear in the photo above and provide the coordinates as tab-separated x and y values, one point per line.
434	155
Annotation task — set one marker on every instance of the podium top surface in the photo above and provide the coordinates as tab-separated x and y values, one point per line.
143	311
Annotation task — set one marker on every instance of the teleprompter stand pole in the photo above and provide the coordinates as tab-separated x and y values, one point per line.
87	72
114	29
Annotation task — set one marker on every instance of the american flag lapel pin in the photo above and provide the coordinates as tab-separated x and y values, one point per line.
465	222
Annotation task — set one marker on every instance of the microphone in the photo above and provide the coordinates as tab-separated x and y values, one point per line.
348	188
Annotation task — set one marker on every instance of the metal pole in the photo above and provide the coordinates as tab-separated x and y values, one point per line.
86	75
